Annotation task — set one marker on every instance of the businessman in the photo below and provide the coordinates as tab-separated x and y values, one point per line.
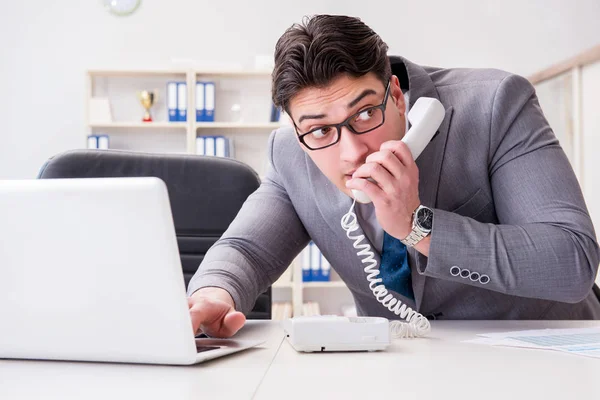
488	223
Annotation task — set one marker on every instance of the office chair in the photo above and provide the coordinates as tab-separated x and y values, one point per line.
205	193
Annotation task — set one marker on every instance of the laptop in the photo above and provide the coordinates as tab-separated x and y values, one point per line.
90	271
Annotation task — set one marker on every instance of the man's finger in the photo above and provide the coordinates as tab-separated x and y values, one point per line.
232	323
198	315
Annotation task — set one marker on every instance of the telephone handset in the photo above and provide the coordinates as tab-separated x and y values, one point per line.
425	116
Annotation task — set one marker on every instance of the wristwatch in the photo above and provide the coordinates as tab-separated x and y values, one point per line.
422	222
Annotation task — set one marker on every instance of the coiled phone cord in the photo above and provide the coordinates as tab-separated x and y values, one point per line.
417	325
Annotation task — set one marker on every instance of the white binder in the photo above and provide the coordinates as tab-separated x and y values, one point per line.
209	146
200	102
92	142
221	146
182	101
209	101
103	142
325	269
172	101
200	145
315	262
306	264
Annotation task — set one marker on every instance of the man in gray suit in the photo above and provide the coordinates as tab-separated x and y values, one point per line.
488	223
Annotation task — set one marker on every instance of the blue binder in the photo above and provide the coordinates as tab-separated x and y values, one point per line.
181	101
172	101
103	142
209	101
200	101
200	146
275	113
92	142
306	271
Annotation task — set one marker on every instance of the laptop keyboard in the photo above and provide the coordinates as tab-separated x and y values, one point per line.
200	348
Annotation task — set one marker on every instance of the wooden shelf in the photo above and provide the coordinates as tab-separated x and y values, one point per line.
137	72
234	73
236	125
283	285
330	284
145	125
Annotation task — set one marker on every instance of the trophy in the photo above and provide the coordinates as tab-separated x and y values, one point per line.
147	98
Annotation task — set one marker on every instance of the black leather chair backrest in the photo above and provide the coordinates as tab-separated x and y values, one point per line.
205	193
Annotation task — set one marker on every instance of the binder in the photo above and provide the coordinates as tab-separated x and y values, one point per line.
306	264
209	101
200	146
181	101
275	113
230	148
221	146
172	101
325	269
199	101
103	142
209	146
315	262
92	142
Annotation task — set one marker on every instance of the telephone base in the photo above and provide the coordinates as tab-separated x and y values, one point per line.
332	333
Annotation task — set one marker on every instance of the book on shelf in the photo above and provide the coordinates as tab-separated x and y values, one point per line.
205	101
98	142
315	267
279	115
219	146
177	101
172	101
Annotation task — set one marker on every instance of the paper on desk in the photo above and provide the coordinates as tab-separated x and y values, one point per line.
578	341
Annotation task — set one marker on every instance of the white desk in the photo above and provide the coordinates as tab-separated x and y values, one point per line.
232	377
439	367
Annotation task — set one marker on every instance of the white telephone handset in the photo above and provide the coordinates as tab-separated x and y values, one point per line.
425	116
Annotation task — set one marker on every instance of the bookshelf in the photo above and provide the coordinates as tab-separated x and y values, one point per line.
330	295
249	127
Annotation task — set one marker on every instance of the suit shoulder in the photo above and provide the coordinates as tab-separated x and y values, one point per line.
284	148
471	76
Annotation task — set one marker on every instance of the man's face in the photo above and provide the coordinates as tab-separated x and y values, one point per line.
314	107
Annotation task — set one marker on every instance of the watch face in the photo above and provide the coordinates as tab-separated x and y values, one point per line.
425	218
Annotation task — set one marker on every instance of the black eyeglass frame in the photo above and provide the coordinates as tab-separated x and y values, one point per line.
346	123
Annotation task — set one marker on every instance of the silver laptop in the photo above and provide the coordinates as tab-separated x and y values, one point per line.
90	271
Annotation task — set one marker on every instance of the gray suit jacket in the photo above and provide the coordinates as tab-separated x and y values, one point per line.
506	204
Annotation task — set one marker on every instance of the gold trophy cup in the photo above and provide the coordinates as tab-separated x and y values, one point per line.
147	98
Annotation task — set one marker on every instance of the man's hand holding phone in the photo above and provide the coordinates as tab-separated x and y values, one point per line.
395	192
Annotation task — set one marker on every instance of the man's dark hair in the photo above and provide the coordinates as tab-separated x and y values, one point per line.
323	48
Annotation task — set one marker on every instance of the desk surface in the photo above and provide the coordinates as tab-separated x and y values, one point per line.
432	368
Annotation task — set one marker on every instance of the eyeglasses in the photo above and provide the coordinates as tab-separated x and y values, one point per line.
363	121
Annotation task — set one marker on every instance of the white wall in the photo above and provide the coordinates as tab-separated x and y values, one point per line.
45	47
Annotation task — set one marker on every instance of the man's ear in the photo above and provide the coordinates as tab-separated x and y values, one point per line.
397	95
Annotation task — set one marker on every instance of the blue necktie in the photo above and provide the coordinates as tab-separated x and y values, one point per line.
394	269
